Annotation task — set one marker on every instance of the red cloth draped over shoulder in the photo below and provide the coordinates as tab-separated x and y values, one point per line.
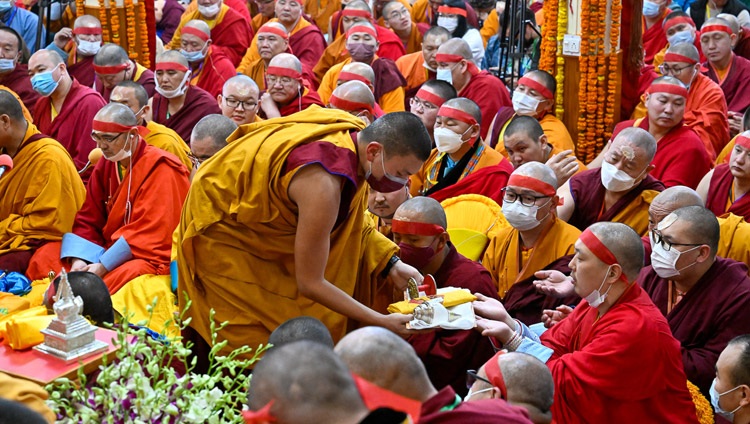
198	103
487	181
490	94
718	194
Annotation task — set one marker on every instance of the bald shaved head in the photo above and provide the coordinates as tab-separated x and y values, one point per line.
466	105
386	360
624	243
276	25
456	46
87	21
11	107
666	79
361	69
538	171
639	138
528	380
526	125
544	78
422	209
685	49
731	20
702	226
440	88
111	55
286	60
358	5
116	112
355	91
51	57
200	26
172	56
240	82
715	21
670	200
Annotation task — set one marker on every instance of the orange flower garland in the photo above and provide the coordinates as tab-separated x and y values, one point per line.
583	137
562	28
549	37
130	21
614	37
103	21
114	20
145	57
80	8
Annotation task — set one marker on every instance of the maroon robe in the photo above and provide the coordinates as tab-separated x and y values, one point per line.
681	157
232	36
170	20
654	39
298	104
146	80
488	181
447	354
440	409
711	314
19	81
478	90
742	48
718	194
632	92
588	194
83	70
72	126
308	45
387	77
198	103
213	72
735	87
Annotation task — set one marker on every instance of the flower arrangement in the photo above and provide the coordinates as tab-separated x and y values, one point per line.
131	27
145	56
114	20
103	20
614	37
562	28
80	8
550	31
140	386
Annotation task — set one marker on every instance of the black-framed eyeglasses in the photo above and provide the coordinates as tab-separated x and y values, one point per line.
526	199
246	104
108	140
675	71
472	377
657	238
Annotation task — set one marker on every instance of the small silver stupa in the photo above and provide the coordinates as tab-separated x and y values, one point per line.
69	336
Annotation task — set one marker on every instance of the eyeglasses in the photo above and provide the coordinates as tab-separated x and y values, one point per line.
526	199
196	160
234	103
396	14
472	377
426	106
657	238
674	71
271	80
108	140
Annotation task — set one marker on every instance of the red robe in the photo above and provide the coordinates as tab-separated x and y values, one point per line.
198	103
488	181
742	48
143	76
681	157
478	89
588	194
447	354
72	126
298	104
624	367
735	87
82	70
632	92
440	409
654	39
18	80
718	194
711	314
215	70
240	7
158	179
307	44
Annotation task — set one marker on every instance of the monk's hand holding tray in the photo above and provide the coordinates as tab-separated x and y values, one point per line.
449	309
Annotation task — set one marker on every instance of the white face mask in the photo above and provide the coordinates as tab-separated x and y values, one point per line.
616	180
524	104
124	153
179	91
444	75
685	36
448	22
664	261
447	141
520	216
470	394
426	66
715	396
210	11
7	65
88	48
650	9
596	298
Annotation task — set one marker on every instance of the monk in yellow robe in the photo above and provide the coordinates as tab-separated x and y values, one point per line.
273	226
321	11
26	113
419	67
727	150
41	193
397	18
271	40
535	240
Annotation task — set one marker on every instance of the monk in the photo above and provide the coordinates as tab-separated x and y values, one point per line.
525	141
535	240
66	108
321	12
305	39
209	136
285	92
726	68
356	98
419	67
427	101
455	66
118	234
41	193
398	19
26	113
362	42
385	360
620	191
705	108
616	330
419	230
112	66
724	187
700	10
230	32
357	11
426	11
534	96
13	73
209	67
167	15
460	152
134	96
177	104
362	72
654	38
266	12
239	6
382	206
679	29
732	382
310	255
239	100
705	298
272	39
78	46
742	45
723	156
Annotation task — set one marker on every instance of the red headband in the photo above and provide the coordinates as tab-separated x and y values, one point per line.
495	375
196	32
283	72
599	250
114	127
358	13
676	57
716	27
351	76
448	58
87	31
416	228
452	10
450	112
259	416
668	88
432	98
171	66
742	141
349	105
361	28
532	184
273	30
539	88
678	20
110	70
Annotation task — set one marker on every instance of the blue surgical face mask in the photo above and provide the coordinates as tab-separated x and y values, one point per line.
650	9
445	75
686	36
715	396
44	84
7	65
5	5
194	56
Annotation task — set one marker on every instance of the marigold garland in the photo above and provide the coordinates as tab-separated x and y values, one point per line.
114	20
145	57
703	408
103	20
130	28
550	33
80	8
614	37
562	28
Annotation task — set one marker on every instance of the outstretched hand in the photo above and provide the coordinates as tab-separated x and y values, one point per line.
554	283
551	317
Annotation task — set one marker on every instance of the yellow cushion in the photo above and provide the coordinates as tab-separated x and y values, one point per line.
474	212
136	297
26	332
451	298
470	243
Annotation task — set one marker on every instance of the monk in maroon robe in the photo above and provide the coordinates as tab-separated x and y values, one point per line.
654	38
286	92
707	302
724	67
725	188
78	47
16	79
742	47
470	82
171	12
112	66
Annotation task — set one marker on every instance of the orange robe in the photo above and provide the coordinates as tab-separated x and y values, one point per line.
321	11
257	22
733	239
556	132
255	70
414	43
305	40
169	141
26	113
40	198
412	68
235	242
490	27
215	70
389	90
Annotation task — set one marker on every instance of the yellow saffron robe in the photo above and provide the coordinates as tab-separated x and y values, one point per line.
733	241
168	140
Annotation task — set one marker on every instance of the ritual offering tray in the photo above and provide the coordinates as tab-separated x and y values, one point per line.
450	309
